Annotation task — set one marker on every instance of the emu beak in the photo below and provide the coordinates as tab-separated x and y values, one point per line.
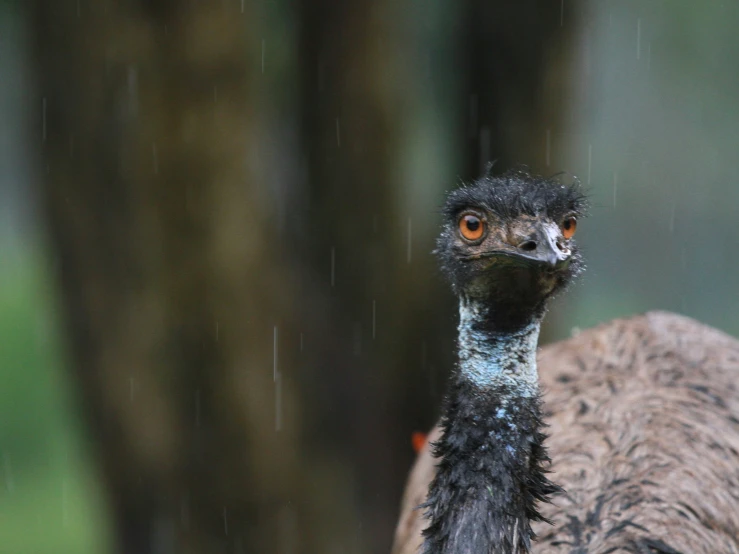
545	247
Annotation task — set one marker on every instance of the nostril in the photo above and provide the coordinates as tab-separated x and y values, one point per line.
562	247
528	245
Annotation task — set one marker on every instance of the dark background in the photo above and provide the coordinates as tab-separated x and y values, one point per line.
220	319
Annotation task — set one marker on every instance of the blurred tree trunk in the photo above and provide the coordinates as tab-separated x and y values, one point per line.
176	291
358	84
519	65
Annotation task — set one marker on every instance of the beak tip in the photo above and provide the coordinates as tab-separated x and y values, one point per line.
557	261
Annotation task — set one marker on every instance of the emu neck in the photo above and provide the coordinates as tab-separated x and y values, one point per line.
493	355
490	475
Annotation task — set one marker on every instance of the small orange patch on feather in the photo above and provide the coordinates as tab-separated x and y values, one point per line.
418	441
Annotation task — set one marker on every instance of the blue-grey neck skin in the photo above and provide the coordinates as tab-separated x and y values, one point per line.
489	359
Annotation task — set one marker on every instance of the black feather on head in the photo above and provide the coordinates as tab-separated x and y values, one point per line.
517	192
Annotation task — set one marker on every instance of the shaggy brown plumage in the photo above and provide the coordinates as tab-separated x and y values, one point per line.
643	418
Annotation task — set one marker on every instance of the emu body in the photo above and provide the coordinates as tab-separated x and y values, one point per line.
643	413
643	425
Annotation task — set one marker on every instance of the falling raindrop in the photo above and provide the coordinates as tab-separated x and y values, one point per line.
590	160
549	146
131	383
225	520
263	49
562	13
274	354
338	133
217	331
301	342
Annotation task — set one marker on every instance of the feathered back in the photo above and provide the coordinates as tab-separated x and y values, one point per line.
644	438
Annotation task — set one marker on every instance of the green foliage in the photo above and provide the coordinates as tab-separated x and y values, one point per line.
48	498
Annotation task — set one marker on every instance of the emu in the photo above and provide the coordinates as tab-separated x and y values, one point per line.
643	413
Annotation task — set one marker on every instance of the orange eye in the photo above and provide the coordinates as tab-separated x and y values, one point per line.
569	226
471	227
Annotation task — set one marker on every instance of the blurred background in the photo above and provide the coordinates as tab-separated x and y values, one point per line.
220	319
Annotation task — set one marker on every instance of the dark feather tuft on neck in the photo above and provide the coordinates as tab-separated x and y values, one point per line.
492	472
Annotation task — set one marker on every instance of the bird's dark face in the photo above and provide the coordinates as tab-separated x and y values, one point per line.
509	239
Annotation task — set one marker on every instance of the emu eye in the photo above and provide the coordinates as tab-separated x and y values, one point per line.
569	226
471	226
